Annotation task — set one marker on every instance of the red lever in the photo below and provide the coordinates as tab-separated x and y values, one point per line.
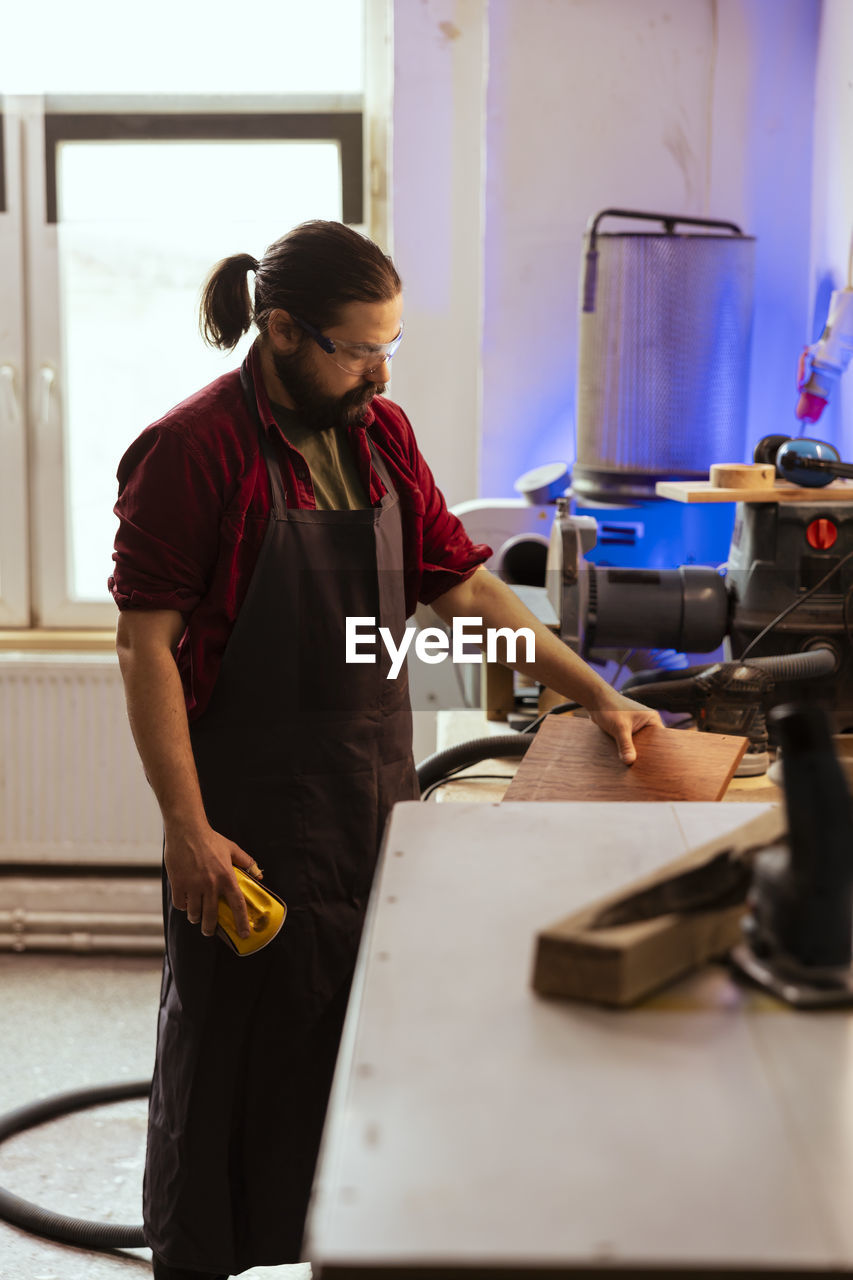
821	534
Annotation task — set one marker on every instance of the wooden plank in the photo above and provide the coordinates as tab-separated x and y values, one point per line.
621	965
571	759
704	491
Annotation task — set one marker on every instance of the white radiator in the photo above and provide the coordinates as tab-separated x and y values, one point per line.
72	789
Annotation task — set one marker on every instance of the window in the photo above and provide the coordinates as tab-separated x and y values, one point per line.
112	211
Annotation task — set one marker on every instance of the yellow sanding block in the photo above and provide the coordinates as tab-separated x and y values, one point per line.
266	912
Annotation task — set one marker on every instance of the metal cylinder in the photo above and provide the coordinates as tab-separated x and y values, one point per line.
663	362
684	608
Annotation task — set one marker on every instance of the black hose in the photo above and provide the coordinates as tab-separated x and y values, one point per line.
57	1226
674	694
665	695
797	666
440	763
782	666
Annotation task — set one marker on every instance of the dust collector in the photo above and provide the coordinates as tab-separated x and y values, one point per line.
663	362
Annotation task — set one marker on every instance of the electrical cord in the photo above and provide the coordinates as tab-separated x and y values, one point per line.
794	605
845	615
623	661
560	710
468	777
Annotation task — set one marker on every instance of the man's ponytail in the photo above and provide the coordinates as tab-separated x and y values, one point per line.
312	272
226	310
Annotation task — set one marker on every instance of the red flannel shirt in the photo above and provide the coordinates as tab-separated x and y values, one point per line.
194	501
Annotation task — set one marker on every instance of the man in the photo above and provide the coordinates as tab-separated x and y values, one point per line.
254	519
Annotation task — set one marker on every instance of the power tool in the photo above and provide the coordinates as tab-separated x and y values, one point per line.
782	605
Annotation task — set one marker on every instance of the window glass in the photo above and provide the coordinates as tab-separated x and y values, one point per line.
181	46
140	226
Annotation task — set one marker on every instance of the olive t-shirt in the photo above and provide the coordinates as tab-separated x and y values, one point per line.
334	475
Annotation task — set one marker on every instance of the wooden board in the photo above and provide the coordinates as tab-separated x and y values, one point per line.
704	491
621	965
571	759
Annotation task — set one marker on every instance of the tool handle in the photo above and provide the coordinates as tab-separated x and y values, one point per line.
795	462
669	220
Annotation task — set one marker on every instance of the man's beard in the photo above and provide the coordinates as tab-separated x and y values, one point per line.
317	409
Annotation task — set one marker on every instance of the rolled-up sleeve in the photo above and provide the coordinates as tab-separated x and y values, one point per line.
169	515
447	554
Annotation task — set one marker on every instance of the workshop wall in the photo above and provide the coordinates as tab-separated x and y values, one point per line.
514	120
438	173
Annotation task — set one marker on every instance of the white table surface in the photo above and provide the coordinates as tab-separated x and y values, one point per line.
473	1123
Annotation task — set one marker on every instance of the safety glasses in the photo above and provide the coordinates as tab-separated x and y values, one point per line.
353	357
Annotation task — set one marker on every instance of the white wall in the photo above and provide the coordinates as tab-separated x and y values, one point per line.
437	219
777	151
517	119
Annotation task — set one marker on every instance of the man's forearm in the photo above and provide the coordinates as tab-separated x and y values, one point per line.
158	721
555	664
199	861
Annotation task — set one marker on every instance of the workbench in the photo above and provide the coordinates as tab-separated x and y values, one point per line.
476	1129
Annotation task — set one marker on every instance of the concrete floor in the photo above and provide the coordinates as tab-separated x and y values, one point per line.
71	1022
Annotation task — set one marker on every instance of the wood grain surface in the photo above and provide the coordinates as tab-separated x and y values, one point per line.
704	491
571	759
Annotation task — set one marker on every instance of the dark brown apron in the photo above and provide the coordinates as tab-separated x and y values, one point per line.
300	758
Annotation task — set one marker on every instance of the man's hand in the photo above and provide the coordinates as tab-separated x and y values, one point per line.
199	865
621	718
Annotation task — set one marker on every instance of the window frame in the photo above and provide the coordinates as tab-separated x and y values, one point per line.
242	123
33	463
14	513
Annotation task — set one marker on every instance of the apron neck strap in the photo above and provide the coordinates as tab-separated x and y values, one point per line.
380	468
279	498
